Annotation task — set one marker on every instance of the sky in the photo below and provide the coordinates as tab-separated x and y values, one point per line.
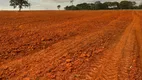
50	4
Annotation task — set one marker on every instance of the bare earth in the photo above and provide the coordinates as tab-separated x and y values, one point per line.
71	45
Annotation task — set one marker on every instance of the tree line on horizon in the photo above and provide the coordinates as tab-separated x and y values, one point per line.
98	5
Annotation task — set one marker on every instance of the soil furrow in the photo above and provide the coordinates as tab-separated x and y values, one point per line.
83	46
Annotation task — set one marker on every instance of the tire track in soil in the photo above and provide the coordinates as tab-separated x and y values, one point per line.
119	63
129	66
138	33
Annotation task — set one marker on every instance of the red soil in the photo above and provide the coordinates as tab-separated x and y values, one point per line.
71	45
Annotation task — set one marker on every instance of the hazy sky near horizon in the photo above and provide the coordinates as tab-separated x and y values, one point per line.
50	4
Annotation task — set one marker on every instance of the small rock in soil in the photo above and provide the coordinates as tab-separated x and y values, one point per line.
68	60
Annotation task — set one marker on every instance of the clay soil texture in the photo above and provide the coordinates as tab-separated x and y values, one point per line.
71	45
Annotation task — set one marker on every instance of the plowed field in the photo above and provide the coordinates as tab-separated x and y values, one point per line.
71	45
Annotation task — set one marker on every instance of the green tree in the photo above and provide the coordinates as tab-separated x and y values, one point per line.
92	6
106	5
127	4
59	6
71	8
83	6
140	6
115	5
19	3
98	5
111	5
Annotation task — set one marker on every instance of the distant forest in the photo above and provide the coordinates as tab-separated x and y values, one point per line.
98	5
